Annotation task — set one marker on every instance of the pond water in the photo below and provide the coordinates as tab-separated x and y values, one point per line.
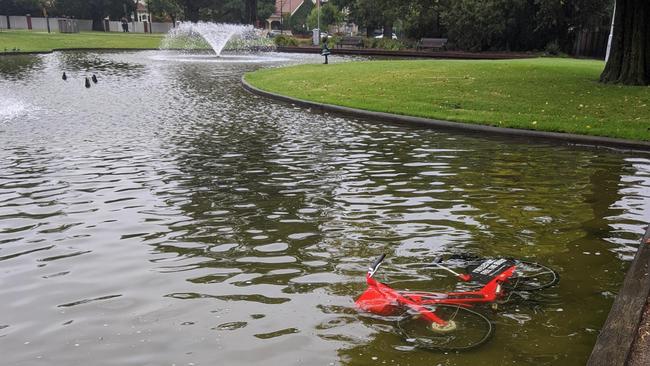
164	216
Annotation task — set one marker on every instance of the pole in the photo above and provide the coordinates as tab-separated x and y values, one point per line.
611	35
47	19
318	18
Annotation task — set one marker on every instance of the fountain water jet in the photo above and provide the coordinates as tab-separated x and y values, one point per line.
187	35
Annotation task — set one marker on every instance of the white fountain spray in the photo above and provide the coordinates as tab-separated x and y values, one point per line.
187	35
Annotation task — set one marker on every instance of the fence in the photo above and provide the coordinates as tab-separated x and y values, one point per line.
85	25
138	27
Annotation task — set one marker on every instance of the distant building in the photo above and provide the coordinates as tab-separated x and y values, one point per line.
142	11
283	8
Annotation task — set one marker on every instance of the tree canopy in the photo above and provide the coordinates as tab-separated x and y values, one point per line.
329	15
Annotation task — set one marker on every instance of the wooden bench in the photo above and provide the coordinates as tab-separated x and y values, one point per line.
433	43
350	41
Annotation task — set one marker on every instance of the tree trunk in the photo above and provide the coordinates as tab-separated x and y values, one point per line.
629	59
388	30
192	12
251	11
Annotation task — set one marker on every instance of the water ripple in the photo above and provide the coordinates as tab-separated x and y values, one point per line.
202	205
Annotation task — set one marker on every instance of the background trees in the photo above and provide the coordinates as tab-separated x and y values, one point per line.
329	15
515	25
165	8
19	7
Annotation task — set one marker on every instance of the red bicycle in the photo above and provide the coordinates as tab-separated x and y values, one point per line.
445	321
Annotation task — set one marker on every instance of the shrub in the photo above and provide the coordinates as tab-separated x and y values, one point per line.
285	41
553	48
384	43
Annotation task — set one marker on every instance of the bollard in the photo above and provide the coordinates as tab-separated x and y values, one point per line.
325	51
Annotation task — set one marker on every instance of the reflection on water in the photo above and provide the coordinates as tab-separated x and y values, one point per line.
165	216
18	66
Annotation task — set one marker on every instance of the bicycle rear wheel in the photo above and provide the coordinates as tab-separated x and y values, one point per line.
465	329
531	276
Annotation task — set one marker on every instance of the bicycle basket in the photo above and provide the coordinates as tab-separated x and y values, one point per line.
490	268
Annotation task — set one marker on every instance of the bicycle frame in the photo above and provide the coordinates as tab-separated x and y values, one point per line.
381	299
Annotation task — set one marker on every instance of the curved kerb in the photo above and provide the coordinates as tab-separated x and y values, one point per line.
388	117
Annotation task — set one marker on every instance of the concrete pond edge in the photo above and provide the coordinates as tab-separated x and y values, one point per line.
619	340
597	141
619	337
74	49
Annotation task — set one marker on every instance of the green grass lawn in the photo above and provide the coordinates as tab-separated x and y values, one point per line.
546	94
32	41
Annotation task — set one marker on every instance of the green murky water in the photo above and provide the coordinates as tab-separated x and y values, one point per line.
165	216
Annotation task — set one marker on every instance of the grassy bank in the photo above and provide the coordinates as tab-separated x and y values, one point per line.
32	41
560	95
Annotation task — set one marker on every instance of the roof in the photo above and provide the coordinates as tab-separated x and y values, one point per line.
287	6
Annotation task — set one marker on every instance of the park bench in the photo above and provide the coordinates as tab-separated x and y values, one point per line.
433	43
350	41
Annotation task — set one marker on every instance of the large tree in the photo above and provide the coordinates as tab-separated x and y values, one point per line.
231	11
96	10
165	8
329	15
19	7
629	60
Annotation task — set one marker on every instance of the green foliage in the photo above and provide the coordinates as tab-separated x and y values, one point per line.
329	15
475	25
20	7
94	9
231	11
422	19
385	44
547	94
298	20
265	9
553	48
483	24
285	41
164	8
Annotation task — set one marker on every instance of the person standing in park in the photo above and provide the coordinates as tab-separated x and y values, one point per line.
125	25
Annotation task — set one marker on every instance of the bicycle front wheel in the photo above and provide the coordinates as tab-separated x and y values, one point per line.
465	328
531	276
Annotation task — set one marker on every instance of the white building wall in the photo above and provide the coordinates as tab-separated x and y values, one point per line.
18	22
161	27
85	25
39	24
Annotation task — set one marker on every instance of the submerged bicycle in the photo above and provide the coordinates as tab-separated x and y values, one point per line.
446	321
